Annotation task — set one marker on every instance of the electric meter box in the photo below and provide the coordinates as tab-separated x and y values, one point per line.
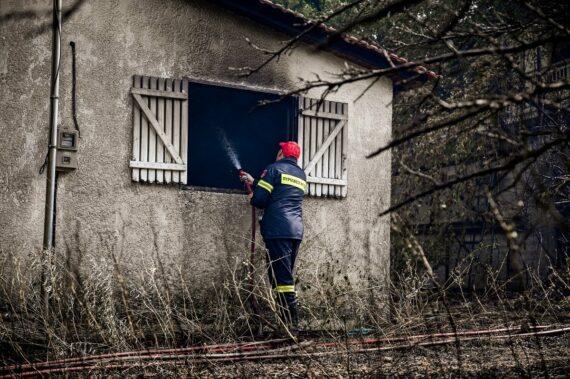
66	159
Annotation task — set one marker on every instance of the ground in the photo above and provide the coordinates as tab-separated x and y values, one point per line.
517	337
546	357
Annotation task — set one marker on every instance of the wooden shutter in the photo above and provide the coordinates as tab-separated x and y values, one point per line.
323	137
160	130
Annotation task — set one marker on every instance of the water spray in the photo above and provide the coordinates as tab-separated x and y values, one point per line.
230	151
232	155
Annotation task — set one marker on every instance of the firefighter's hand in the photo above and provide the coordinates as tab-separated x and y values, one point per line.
250	195
246	177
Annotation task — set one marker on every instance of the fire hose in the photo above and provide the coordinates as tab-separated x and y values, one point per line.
251	280
267	350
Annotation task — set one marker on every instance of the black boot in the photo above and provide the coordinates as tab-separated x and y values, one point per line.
283	310
294	312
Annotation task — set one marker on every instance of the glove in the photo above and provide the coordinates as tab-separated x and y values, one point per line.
246	177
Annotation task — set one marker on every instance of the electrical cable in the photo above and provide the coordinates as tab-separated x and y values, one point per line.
44	165
74	87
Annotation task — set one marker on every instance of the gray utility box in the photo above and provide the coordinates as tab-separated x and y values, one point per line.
67	141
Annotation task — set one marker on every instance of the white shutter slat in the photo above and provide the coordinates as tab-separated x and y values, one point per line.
158	155
158	165
152	131
313	141
301	131
136	133
160	118
161	93
319	165
144	132
323	135
168	127
344	175
338	157
323	114
326	131
338	182
184	131
176	106
332	150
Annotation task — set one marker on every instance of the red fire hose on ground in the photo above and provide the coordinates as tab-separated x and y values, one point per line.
269	350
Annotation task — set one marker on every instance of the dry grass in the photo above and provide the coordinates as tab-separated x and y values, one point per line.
105	307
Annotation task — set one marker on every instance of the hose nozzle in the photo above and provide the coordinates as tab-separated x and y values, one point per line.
248	187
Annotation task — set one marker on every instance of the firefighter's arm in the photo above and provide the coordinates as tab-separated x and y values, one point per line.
262	189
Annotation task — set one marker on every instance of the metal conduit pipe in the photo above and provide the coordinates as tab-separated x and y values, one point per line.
51	175
53	119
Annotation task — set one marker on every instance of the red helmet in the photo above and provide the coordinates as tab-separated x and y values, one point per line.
290	149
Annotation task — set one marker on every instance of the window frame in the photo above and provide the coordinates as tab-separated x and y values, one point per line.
237	86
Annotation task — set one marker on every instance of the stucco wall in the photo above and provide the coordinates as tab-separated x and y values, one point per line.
101	213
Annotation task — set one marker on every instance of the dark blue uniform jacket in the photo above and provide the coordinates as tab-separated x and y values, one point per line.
280	192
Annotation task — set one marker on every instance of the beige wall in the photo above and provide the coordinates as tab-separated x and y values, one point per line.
101	213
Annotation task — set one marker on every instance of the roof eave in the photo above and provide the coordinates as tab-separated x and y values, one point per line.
292	24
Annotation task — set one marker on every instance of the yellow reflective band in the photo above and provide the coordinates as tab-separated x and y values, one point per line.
291	180
263	184
285	288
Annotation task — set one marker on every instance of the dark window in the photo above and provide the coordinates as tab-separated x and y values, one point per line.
220	116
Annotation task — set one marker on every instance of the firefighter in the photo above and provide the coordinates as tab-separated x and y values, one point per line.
279	192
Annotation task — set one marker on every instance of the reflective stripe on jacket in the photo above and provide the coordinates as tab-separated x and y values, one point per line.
280	193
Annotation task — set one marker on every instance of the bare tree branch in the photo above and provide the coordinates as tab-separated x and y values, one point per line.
500	168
